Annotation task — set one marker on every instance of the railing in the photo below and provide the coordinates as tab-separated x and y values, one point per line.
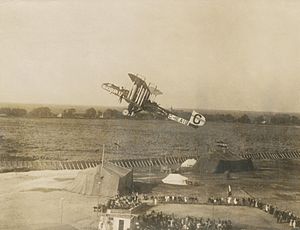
272	156
21	165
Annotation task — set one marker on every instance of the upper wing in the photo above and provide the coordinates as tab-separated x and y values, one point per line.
140	91
137	80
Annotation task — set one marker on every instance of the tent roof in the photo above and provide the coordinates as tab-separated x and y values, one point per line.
175	179
189	163
110	168
114	179
222	164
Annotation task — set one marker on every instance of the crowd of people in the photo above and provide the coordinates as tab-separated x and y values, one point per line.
120	202
172	199
124	202
158	220
282	216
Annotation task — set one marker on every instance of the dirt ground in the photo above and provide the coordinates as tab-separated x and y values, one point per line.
34	200
37	200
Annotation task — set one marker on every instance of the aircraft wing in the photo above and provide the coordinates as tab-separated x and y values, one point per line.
116	90
113	89
136	79
135	98
139	81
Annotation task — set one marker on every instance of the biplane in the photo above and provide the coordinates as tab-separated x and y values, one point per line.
141	98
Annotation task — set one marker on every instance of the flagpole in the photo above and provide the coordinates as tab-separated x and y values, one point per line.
102	160
100	181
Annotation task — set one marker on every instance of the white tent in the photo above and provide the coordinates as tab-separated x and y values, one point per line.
176	179
188	163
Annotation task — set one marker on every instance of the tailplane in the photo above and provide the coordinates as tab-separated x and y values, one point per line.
196	120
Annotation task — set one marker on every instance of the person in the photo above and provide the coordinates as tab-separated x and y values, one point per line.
267	208
229	200
229	191
185	199
155	201
235	201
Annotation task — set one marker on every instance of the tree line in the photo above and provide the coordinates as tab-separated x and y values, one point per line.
92	113
275	119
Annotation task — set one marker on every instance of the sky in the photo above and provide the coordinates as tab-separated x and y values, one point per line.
205	54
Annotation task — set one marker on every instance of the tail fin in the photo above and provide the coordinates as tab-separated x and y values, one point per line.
196	120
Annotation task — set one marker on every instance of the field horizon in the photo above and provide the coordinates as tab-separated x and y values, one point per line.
81	108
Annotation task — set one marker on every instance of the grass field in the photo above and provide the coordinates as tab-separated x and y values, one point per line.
78	139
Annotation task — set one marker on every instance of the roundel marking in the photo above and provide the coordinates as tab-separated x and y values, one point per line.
197	119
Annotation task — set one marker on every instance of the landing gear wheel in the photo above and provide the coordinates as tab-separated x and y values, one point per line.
125	112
